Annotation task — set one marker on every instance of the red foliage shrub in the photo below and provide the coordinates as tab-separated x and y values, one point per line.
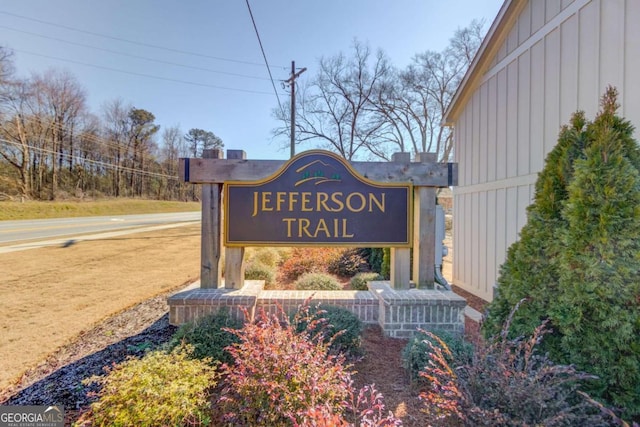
284	377
364	409
309	260
506	383
348	264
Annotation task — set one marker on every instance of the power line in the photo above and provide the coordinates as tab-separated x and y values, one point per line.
133	42
132	56
89	137
97	162
109	144
145	75
255	27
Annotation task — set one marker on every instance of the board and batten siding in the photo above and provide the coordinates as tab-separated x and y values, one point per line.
558	57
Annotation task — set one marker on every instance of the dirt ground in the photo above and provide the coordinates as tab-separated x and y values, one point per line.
50	295
71	311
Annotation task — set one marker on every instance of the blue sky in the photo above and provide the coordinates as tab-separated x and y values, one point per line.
212	74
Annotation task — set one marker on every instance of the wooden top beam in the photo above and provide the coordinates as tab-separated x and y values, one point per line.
209	171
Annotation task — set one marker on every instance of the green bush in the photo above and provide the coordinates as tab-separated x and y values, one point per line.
385	267
317	281
348	264
577	259
598	309
530	269
416	354
159	389
374	258
208	336
360	280
341	329
257	271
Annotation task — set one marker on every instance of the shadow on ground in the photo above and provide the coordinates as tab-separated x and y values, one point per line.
63	385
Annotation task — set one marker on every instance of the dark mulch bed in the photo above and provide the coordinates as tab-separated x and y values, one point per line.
58	379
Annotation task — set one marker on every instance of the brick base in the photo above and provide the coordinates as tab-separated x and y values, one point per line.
398	312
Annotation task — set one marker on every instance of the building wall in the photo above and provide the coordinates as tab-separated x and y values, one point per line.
558	57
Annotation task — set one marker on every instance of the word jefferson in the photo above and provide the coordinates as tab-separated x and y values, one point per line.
306	201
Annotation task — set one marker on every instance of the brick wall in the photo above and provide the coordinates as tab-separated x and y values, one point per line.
398	312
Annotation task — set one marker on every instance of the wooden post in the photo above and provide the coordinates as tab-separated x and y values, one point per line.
233	268
400	268
424	231
210	246
400	261
234	257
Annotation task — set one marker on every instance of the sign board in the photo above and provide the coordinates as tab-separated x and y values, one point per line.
317	198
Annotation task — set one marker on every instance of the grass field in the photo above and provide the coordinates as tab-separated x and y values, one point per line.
37	210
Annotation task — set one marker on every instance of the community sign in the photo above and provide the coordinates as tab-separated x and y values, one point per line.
317	199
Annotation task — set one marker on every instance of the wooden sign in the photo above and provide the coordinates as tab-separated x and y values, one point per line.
317	198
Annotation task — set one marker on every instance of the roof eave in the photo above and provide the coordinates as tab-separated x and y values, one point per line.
497	34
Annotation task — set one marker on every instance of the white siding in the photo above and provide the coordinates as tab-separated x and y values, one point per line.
536	127
568	71
559	57
551	90
631	96
512	120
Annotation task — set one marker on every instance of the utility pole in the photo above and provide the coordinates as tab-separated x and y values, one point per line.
292	82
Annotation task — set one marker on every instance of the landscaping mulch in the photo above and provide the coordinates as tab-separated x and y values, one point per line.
59	379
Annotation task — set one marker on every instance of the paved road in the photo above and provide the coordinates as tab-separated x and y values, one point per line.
13	232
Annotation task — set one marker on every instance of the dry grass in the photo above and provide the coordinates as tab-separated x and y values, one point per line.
64	209
49	295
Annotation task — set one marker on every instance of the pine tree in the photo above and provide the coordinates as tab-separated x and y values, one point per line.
598	309
577	261
530	269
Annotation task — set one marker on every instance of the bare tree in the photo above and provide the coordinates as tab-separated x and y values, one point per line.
15	148
174	146
115	132
361	104
334	110
63	100
91	158
417	102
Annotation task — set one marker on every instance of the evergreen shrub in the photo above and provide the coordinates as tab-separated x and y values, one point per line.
578	258
417	353
317	281
385	267
598	310
360	280
208	336
340	329
374	258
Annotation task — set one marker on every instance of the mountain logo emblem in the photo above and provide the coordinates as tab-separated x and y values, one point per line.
320	175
